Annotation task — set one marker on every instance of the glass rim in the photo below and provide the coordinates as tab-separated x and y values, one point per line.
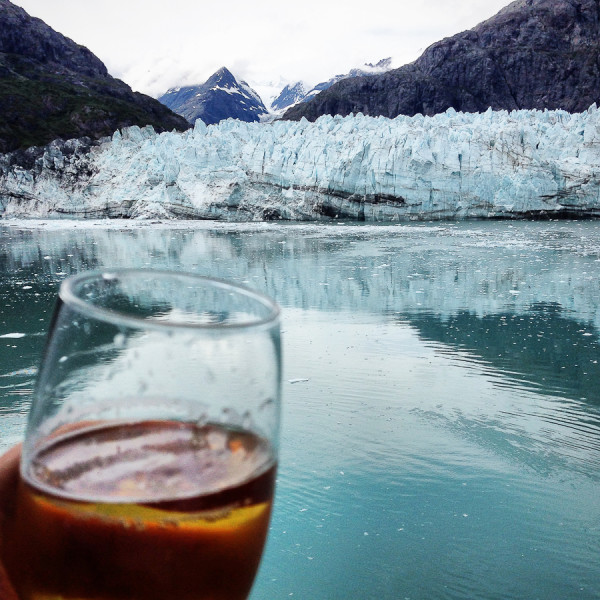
71	299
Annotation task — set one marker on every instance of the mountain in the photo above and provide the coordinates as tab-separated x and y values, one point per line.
51	87
294	93
221	97
289	95
532	54
366	70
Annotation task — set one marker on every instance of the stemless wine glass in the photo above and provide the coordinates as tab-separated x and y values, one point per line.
148	468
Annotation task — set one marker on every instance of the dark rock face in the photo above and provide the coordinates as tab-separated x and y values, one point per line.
221	97
51	87
532	54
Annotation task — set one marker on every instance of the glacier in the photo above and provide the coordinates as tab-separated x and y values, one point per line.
454	165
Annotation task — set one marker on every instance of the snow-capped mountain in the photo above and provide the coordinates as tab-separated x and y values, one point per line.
296	92
221	97
450	166
289	95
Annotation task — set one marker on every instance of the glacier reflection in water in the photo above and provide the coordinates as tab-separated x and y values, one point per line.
442	393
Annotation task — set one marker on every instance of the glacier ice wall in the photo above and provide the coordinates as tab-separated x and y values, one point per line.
450	166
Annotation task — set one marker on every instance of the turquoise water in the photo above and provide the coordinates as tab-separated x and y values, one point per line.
441	433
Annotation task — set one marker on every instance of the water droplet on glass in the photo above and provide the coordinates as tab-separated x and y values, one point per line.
217	440
267	404
232	417
247	421
210	376
119	340
201	420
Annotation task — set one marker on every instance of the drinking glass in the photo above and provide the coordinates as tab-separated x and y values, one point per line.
148	468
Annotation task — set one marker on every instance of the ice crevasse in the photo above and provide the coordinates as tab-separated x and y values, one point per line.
449	166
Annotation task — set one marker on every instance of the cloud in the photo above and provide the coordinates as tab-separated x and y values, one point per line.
153	45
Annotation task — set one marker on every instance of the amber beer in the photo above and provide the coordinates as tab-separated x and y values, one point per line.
143	511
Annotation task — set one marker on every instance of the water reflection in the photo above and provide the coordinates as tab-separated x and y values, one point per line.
526	300
442	404
545	347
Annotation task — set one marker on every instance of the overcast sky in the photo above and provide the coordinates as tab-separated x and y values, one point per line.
157	44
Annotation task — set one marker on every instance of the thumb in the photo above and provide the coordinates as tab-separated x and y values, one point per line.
9	479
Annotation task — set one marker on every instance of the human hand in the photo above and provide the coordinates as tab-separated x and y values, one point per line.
9	479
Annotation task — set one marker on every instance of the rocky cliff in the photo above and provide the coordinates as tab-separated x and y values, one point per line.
534	54
51	87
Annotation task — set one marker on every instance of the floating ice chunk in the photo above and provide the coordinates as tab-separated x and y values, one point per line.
27	371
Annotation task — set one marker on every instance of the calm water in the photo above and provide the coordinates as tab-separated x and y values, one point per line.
442	394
